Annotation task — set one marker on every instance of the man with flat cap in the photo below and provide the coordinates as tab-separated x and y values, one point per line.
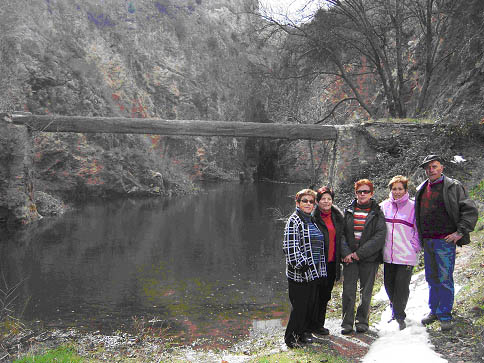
445	216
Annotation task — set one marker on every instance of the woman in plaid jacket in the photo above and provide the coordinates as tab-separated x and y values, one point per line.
305	266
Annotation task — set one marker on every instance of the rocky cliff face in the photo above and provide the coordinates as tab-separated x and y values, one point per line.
167	59
458	95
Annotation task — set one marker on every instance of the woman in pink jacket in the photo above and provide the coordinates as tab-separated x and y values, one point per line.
401	246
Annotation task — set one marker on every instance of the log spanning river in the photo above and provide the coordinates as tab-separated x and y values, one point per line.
206	266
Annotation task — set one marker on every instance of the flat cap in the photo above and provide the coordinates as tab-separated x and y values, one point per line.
430	158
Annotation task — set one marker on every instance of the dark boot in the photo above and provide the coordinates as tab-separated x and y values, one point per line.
429	319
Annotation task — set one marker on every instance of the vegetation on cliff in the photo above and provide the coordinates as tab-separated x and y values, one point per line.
385	58
358	61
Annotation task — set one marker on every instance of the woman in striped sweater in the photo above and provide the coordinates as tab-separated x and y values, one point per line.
361	247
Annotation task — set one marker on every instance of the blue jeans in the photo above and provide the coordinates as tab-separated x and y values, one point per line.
439	257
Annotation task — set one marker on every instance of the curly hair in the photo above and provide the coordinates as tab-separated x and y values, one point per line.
304	192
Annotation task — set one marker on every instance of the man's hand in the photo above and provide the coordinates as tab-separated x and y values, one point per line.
355	256
453	237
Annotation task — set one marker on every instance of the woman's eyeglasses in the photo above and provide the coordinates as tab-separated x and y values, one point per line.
363	191
311	201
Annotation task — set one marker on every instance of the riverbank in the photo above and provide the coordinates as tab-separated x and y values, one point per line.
464	344
144	347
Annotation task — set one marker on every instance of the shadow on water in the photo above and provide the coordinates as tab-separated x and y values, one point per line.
207	266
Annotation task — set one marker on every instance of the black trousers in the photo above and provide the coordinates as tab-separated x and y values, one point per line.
324	289
302	296
397	281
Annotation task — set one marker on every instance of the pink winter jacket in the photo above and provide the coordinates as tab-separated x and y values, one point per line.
402	242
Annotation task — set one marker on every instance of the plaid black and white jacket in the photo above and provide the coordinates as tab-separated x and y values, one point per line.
300	266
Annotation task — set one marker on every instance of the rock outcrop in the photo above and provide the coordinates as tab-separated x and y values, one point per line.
16	175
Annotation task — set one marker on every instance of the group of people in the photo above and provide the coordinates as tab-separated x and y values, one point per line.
319	238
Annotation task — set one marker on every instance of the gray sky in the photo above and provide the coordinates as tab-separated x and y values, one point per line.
295	10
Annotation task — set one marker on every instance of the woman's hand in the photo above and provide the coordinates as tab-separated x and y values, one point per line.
348	259
351	258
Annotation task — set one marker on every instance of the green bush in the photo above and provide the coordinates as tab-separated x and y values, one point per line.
477	193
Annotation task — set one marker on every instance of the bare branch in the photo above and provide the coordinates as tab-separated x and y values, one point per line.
334	108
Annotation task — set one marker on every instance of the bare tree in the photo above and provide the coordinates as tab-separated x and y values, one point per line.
349	39
433	17
374	32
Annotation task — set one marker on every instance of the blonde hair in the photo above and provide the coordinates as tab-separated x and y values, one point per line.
304	192
398	179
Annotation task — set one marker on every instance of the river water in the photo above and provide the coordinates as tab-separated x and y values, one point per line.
208	266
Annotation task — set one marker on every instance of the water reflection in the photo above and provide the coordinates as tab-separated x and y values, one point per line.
206	265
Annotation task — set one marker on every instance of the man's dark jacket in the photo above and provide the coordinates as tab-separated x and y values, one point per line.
458	205
369	247
337	218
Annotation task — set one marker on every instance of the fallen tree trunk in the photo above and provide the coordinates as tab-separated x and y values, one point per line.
123	125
